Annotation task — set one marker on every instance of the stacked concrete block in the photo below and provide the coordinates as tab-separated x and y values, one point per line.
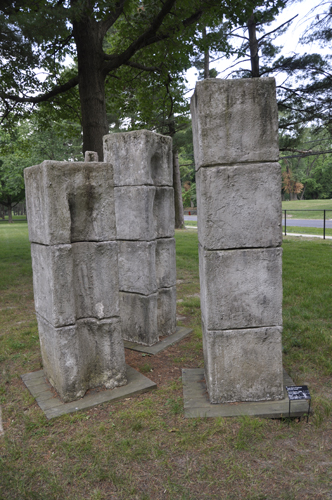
74	252
238	179
144	209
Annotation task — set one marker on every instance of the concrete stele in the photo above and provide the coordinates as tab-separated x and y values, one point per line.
72	229
238	179
144	209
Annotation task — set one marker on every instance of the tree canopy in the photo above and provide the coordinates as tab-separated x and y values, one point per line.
101	36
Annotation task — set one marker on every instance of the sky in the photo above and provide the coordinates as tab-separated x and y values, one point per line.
305	10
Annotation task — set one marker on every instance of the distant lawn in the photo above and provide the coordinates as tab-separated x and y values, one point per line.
307	230
308	205
190	223
16	218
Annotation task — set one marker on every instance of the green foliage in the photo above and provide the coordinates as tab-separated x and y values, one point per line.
314	171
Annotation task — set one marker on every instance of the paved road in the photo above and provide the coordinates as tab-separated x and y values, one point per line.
290	222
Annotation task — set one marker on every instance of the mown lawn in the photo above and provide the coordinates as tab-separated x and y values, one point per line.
307	230
297	209
142	448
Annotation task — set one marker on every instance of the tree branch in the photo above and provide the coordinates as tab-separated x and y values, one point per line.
149	37
273	31
142	67
58	89
110	20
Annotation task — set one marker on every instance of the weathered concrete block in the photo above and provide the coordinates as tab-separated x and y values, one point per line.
53	283
102	352
75	281
239	206
241	288
68	202
166	311
82	356
140	157
165	262
235	121
134	208
96	281
137	267
139	317
243	365
163	212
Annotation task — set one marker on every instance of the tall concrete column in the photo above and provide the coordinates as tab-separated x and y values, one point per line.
144	208
238	179
74	252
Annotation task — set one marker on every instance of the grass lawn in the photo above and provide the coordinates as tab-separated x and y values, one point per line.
142	448
307	230
16	218
308	205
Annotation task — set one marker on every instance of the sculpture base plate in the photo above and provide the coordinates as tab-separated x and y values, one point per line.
180	333
197	403
52	406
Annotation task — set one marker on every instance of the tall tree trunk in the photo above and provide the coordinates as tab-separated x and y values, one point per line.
90	59
179	217
206	58
253	45
10	214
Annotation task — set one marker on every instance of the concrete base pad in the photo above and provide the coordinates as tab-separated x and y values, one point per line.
197	404
180	333
52	406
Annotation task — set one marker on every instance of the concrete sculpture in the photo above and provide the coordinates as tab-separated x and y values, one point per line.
144	209
238	179
72	229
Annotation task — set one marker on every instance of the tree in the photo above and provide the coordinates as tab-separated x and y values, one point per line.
29	143
79	28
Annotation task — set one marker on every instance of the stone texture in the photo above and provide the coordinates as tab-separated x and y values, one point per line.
243	365
235	131
140	157
239	206
68	202
137	267
82	356
165	262
145	219
139	317
235	121
96	280
75	281
166	318
53	283
134	207
241	288
72	227
163	212
90	156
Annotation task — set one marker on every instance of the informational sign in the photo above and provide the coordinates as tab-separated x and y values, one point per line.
296	392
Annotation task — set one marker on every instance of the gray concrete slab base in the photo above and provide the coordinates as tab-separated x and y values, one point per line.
197	404
52	406
180	333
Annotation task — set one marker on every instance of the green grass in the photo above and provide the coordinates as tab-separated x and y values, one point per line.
307	230
15	256
16	218
142	448
307	205
190	223
307	311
